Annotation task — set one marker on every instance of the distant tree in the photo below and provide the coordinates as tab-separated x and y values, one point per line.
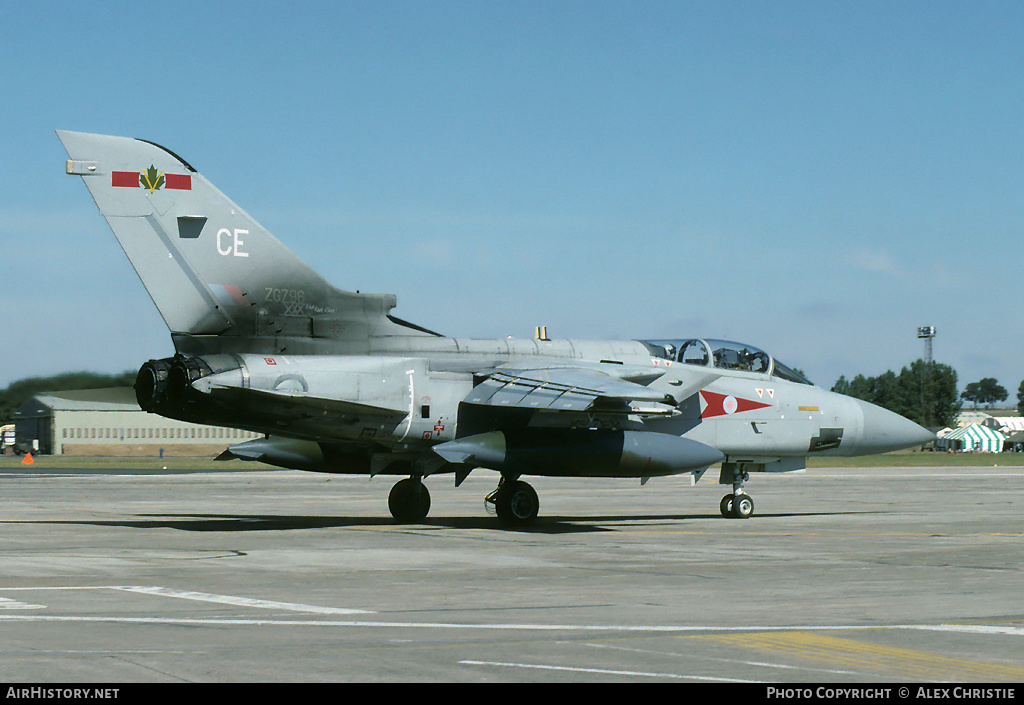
860	387
925	393
19	392
842	385
886	390
1020	399
987	391
937	389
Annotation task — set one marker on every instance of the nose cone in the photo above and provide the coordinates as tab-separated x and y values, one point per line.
884	431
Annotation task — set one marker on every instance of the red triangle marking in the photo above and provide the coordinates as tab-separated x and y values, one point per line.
726	404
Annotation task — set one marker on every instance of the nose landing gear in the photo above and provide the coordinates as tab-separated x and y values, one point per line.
738	505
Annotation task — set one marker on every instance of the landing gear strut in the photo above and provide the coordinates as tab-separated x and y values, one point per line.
738	505
515	502
409	501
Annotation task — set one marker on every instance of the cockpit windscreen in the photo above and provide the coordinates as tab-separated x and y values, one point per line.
791	375
722	354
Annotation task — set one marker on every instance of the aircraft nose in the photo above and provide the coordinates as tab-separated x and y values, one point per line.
884	431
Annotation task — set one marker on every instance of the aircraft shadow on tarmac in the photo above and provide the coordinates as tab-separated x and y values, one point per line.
258	522
543	525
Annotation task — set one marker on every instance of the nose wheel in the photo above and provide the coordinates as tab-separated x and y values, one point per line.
738	506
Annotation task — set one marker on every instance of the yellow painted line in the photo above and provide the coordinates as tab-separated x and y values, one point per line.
830	534
851	653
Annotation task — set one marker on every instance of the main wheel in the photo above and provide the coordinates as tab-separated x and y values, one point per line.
409	501
742	506
516	504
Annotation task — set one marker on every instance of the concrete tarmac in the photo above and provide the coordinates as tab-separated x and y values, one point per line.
864	575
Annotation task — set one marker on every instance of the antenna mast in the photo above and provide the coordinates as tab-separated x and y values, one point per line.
927	333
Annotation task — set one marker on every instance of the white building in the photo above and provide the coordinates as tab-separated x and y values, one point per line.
966	418
108	422
1004	424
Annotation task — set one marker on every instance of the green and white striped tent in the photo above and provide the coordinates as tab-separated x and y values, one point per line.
972	437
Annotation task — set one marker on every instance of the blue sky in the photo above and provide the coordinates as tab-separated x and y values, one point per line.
814	178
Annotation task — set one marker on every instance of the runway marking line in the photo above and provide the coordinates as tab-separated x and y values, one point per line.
830	534
602	671
683	631
907	663
705	657
237	601
187	595
7	603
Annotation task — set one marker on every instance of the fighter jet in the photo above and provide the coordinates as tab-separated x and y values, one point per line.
338	384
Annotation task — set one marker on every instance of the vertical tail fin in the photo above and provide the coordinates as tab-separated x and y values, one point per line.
209	267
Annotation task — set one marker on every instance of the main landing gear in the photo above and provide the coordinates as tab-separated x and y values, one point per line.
515	502
738	505
409	500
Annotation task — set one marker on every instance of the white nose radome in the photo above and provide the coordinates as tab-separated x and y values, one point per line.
883	431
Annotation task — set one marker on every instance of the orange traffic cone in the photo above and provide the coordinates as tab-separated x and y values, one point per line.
27	460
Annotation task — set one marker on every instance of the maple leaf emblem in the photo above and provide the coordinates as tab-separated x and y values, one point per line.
151	178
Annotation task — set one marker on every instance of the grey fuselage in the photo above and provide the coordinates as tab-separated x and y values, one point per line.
406	394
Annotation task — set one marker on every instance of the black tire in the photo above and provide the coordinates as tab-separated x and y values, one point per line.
726	505
517	504
409	501
742	506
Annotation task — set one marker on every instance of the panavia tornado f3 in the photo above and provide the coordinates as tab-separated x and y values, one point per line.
338	384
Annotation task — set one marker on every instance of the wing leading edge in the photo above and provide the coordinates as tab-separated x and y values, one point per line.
569	389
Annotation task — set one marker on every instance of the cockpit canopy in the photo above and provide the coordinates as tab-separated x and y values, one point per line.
722	354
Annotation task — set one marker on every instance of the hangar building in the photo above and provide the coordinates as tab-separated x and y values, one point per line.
109	422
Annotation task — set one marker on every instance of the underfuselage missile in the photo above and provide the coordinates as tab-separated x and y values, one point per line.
580	453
